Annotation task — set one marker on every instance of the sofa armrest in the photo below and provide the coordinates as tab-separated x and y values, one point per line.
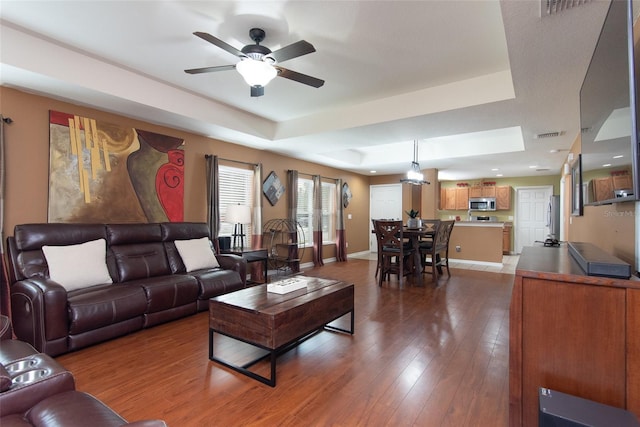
5	328
236	263
27	392
39	312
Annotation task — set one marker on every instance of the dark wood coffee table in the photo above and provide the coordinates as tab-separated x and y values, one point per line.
278	322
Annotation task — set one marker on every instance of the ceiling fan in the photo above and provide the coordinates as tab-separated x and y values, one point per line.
258	63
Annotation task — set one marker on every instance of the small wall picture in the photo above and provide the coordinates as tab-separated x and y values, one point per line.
346	195
576	187
273	188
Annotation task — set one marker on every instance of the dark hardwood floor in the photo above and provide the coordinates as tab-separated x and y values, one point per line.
421	355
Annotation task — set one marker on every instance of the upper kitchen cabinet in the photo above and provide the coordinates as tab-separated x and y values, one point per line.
454	198
482	191
462	198
503	197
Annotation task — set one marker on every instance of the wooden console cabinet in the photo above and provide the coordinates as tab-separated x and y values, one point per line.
572	333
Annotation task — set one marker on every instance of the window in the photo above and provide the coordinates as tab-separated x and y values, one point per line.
304	210
236	187
328	212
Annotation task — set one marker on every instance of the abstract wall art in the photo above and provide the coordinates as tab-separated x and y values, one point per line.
104	173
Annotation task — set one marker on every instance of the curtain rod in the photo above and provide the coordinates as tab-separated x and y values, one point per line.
312	175
233	161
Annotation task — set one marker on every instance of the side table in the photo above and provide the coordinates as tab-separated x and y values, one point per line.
252	255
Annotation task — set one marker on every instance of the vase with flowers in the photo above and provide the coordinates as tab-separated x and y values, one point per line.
413	221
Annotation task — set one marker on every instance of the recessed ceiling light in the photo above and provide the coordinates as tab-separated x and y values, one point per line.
533	167
494	169
373	171
618	156
499	174
606	165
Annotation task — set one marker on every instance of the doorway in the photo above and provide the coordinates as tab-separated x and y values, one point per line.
385	202
531	223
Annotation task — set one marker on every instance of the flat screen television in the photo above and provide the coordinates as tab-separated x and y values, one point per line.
609	113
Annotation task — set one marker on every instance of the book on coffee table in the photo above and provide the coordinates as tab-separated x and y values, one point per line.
287	285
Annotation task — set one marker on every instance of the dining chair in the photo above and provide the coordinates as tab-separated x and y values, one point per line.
437	250
394	250
379	253
430	225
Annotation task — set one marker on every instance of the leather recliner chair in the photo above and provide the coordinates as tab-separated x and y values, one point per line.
35	390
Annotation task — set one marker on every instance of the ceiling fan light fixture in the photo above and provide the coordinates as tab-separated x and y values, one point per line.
256	73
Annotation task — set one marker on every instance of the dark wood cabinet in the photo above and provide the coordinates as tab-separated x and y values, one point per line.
573	333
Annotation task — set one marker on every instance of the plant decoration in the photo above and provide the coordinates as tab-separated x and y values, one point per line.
413	213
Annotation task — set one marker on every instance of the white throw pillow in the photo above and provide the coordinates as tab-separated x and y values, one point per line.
78	266
197	253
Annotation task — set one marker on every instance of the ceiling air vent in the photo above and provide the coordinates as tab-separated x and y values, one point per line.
551	7
549	134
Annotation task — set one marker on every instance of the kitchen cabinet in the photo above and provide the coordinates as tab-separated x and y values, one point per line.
475	191
603	188
462	198
450	199
454	198
482	191
503	197
506	239
488	191
622	182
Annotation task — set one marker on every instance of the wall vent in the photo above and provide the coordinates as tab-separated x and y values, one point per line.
549	134
552	7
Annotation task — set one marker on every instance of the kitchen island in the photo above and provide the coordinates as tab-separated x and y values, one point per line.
478	241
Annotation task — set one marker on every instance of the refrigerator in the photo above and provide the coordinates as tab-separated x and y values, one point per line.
553	217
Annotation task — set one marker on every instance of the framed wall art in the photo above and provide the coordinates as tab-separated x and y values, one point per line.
104	173
576	187
346	195
273	188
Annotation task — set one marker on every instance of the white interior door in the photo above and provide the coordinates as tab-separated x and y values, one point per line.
385	203
531	215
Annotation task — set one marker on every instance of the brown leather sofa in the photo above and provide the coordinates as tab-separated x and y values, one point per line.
35	390
150	283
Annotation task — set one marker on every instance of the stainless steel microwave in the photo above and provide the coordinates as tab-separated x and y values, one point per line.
482	203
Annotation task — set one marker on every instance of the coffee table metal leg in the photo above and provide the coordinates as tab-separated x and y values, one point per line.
348	331
272	355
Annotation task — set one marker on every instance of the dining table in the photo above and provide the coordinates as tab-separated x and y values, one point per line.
415	237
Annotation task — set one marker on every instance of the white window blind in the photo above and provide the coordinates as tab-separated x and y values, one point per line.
305	209
236	187
328	208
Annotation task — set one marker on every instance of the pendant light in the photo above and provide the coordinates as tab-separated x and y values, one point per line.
414	174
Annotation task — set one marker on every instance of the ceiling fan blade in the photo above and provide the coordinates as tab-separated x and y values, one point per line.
222	45
292	51
299	77
210	69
